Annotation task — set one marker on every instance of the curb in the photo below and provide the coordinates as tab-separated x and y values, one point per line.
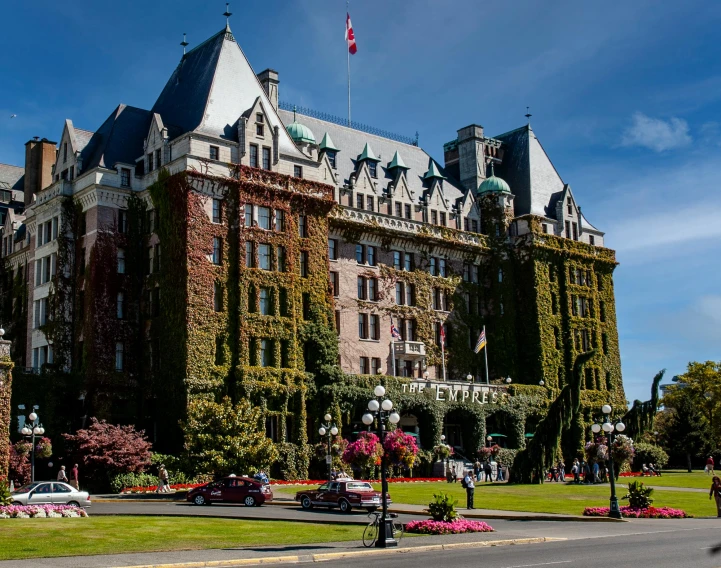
326	556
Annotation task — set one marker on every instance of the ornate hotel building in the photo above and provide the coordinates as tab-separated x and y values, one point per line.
223	243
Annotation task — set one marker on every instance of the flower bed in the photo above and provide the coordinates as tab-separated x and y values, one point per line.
455	526
152	488
648	513
40	511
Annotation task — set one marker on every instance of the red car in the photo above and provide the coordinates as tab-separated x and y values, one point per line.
345	495
231	490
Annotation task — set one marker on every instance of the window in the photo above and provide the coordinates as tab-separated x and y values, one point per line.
83	223
371	255
122	221
373	169
411	327
249	257
120	306
575	231
604	343
266	158
259	130
331	158
370	204
121	261
375	365
304	264
375	327
400	293
335	283
545	227
264	218
298	171
434	217
361	288
474	225
214	153
264	257
252	300
570	210
466	224
150	162
574	305
364	366
411	294
253	157
279	220
337	323
359	201
217	210
407	211
443	219
466	272
280	257
568	229
363	326
602	310
399	210
157	158
332	249
433	268
217	250
266	353
373	289
408	262
265	302
218	297
283	302
248	217
591	240
397	259
302	226
442	267
118	356
360	254
219	351
124	177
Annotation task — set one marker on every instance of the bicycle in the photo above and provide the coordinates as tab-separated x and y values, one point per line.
370	534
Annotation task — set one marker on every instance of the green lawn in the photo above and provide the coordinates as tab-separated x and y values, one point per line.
678	478
547	498
34	538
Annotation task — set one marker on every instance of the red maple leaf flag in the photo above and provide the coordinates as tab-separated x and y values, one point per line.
349	35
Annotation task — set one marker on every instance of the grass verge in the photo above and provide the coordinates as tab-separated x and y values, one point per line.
41	538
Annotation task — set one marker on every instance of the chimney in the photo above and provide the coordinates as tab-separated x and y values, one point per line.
40	156
269	80
471	156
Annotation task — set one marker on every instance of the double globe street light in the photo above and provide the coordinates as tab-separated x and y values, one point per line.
382	410
610	429
329	429
32	429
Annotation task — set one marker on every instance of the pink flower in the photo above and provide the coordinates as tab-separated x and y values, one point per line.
457	526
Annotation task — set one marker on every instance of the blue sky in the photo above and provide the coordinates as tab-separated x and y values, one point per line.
626	99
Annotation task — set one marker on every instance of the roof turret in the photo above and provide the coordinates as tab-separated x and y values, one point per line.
300	133
367	154
433	171
493	184
397	162
327	143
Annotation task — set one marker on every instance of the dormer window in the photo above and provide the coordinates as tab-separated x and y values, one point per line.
373	169
331	158
259	128
570	209
214	153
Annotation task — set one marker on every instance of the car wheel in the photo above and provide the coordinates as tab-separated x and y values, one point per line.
73	504
344	506
306	503
199	500
249	501
17	504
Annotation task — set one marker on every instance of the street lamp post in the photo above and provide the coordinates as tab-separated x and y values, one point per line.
489	439
329	429
32	429
382	410
610	430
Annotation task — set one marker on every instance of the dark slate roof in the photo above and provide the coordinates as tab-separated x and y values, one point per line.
211	88
12	177
526	167
119	139
351	143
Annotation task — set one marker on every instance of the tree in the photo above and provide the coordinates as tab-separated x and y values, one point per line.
223	438
683	431
639	419
19	471
107	450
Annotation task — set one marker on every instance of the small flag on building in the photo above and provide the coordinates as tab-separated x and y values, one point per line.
349	35
394	331
443	335
481	343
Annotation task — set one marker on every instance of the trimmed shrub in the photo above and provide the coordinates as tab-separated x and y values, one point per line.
649	453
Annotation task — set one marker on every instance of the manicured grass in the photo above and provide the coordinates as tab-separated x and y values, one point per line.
678	478
547	498
34	538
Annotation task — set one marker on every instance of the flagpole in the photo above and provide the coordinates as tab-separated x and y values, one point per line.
443	352
485	353
348	56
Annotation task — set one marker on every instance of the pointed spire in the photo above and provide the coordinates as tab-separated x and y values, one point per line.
433	171
367	154
397	162
327	144
227	15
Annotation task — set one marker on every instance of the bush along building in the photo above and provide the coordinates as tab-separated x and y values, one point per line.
222	243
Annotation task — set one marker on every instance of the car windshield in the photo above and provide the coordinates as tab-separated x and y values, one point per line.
26	488
359	486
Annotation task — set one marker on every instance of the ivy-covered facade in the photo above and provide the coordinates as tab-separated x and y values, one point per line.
221	243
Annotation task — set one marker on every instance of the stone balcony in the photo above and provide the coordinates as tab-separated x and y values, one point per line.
409	349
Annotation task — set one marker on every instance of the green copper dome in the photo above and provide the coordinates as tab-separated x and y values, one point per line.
493	184
300	133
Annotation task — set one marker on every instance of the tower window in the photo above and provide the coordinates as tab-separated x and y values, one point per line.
214	153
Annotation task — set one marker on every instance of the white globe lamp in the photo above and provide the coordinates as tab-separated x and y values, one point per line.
379	391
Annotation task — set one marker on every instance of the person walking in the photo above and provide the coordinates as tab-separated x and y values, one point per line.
575	468
561	471
61	474
163	486
709	466
74	474
716	493
499	472
596	471
488	470
470	489
477	470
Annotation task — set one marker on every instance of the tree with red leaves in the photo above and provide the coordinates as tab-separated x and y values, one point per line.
106	449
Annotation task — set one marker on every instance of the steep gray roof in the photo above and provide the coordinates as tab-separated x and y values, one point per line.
82	137
211	88
11	177
119	139
529	171
351	143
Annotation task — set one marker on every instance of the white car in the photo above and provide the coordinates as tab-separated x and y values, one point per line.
50	493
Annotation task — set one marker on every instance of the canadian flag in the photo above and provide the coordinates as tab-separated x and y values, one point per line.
349	35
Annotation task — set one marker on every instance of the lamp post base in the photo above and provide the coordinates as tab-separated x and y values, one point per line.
385	535
614	512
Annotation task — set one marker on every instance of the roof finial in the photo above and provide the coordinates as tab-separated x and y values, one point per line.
492	174
528	115
227	15
183	43
294	113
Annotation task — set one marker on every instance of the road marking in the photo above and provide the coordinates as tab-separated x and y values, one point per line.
542	564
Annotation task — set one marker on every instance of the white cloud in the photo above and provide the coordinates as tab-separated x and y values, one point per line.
656	134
